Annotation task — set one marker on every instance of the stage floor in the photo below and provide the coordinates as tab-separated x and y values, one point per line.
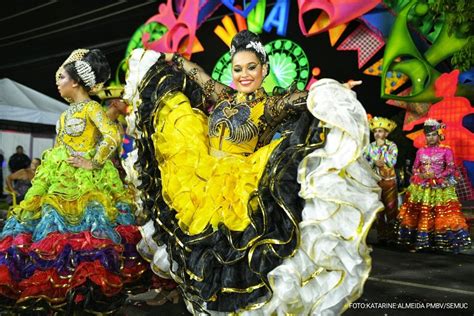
400	283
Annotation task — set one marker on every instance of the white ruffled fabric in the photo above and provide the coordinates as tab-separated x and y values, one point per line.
139	63
156	255
342	198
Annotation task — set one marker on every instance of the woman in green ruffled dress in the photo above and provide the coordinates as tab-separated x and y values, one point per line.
71	242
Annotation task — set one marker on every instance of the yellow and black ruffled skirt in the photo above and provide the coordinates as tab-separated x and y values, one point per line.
279	232
226	221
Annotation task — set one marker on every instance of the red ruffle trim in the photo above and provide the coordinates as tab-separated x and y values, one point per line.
8	287
53	244
130	234
49	285
21	241
54	287
440	218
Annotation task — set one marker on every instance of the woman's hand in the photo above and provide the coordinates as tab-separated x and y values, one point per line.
352	83
80	162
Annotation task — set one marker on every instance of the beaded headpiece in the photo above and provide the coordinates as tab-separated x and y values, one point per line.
256	46
76	55
83	69
382	122
85	72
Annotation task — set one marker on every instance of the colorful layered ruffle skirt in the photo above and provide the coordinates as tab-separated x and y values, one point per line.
431	218
70	242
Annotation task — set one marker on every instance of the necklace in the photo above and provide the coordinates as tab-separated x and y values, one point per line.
79	102
242	97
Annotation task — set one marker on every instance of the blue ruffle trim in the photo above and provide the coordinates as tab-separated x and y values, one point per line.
94	220
13	227
453	240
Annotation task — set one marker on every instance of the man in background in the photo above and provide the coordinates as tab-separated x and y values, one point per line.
382	155
18	160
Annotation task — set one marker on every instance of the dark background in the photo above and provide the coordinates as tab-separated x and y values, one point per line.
37	36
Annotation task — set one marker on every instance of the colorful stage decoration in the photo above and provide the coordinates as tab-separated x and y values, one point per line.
288	64
365	42
451	110
393	81
333	13
173	28
206	8
181	35
238	9
155	31
256	17
278	17
227	30
413	110
420	68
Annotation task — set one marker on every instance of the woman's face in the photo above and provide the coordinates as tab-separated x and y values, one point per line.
247	71
432	138
65	84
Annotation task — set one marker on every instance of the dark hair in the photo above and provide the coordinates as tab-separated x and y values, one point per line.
18	147
99	64
38	160
240	42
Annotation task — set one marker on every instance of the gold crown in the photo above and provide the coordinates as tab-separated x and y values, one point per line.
382	122
110	92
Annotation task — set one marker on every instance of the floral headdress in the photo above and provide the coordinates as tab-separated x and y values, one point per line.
432	125
256	46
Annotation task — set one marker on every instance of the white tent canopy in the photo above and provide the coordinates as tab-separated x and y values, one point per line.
22	104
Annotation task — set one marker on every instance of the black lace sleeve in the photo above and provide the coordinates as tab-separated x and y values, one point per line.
283	107
287	103
213	90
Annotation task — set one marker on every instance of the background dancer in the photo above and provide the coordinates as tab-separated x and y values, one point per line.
71	243
431	217
382	155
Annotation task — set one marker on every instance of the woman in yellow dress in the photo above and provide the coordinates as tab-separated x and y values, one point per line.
71	243
241	221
